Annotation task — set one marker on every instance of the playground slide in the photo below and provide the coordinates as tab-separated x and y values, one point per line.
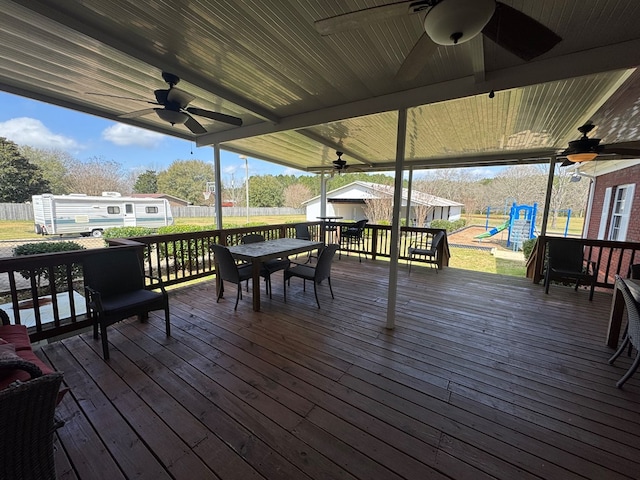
493	231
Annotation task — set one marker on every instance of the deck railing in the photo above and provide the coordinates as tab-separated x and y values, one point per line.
612	258
52	308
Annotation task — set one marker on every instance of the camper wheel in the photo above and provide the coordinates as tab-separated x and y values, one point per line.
96	233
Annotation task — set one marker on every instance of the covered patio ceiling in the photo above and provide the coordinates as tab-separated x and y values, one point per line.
302	96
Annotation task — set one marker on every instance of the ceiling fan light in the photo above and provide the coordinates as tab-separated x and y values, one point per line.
172	116
581	157
451	22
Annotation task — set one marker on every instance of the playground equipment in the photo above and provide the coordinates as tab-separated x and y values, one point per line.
521	225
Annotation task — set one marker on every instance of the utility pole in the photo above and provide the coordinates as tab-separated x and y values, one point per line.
246	183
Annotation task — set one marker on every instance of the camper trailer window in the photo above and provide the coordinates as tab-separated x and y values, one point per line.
151	209
113	210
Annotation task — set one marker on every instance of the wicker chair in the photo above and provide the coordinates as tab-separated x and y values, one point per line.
228	270
632	333
426	247
27	424
268	267
316	274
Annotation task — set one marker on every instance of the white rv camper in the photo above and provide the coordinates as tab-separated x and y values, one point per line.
91	215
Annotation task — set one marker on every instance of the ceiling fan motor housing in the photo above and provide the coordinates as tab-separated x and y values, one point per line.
451	22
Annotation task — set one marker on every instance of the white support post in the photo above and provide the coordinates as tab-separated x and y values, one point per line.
407	221
395	222
218	192
323	194
547	198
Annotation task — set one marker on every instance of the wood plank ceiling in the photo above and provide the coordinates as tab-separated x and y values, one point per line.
302	95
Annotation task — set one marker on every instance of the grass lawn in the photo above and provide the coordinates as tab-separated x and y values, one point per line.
482	261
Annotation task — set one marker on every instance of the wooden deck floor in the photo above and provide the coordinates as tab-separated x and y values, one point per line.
484	377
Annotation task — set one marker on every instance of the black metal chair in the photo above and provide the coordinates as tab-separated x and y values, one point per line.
317	274
353	235
270	266
632	333
566	261
228	270
634	271
427	247
115	287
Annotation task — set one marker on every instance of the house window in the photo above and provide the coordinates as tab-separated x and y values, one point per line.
151	209
620	212
113	210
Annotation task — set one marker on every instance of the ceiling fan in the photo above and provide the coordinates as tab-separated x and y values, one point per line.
586	149
451	22
340	165
174	108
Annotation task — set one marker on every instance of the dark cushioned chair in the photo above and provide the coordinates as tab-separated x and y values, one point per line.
317	274
566	261
115	287
302	233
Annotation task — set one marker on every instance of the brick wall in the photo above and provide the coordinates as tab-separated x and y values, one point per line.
625	176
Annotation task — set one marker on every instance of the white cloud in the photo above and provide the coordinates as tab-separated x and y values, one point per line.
230	169
126	135
32	132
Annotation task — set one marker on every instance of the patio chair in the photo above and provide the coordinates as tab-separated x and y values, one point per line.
632	333
302	233
317	274
27	423
114	283
427	247
353	235
634	271
268	267
566	261
227	269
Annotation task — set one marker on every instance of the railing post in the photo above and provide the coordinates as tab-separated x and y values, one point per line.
374	242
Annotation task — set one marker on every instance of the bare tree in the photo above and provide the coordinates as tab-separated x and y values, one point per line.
97	175
295	194
379	210
421	211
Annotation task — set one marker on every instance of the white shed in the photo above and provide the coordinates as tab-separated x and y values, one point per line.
349	202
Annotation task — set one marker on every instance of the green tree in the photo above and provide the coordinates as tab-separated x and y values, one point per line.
186	179
146	182
54	165
19	179
266	191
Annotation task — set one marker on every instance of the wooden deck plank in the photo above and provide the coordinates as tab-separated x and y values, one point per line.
484	377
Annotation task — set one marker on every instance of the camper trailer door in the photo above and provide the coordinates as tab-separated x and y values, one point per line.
129	215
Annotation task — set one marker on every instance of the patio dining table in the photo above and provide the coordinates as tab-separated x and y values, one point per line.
259	252
617	308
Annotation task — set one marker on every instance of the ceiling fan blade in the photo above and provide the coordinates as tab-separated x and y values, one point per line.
193	125
417	59
629	152
179	97
220	117
518	33
361	18
138	113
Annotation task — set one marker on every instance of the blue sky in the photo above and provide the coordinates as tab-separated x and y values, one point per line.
40	125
